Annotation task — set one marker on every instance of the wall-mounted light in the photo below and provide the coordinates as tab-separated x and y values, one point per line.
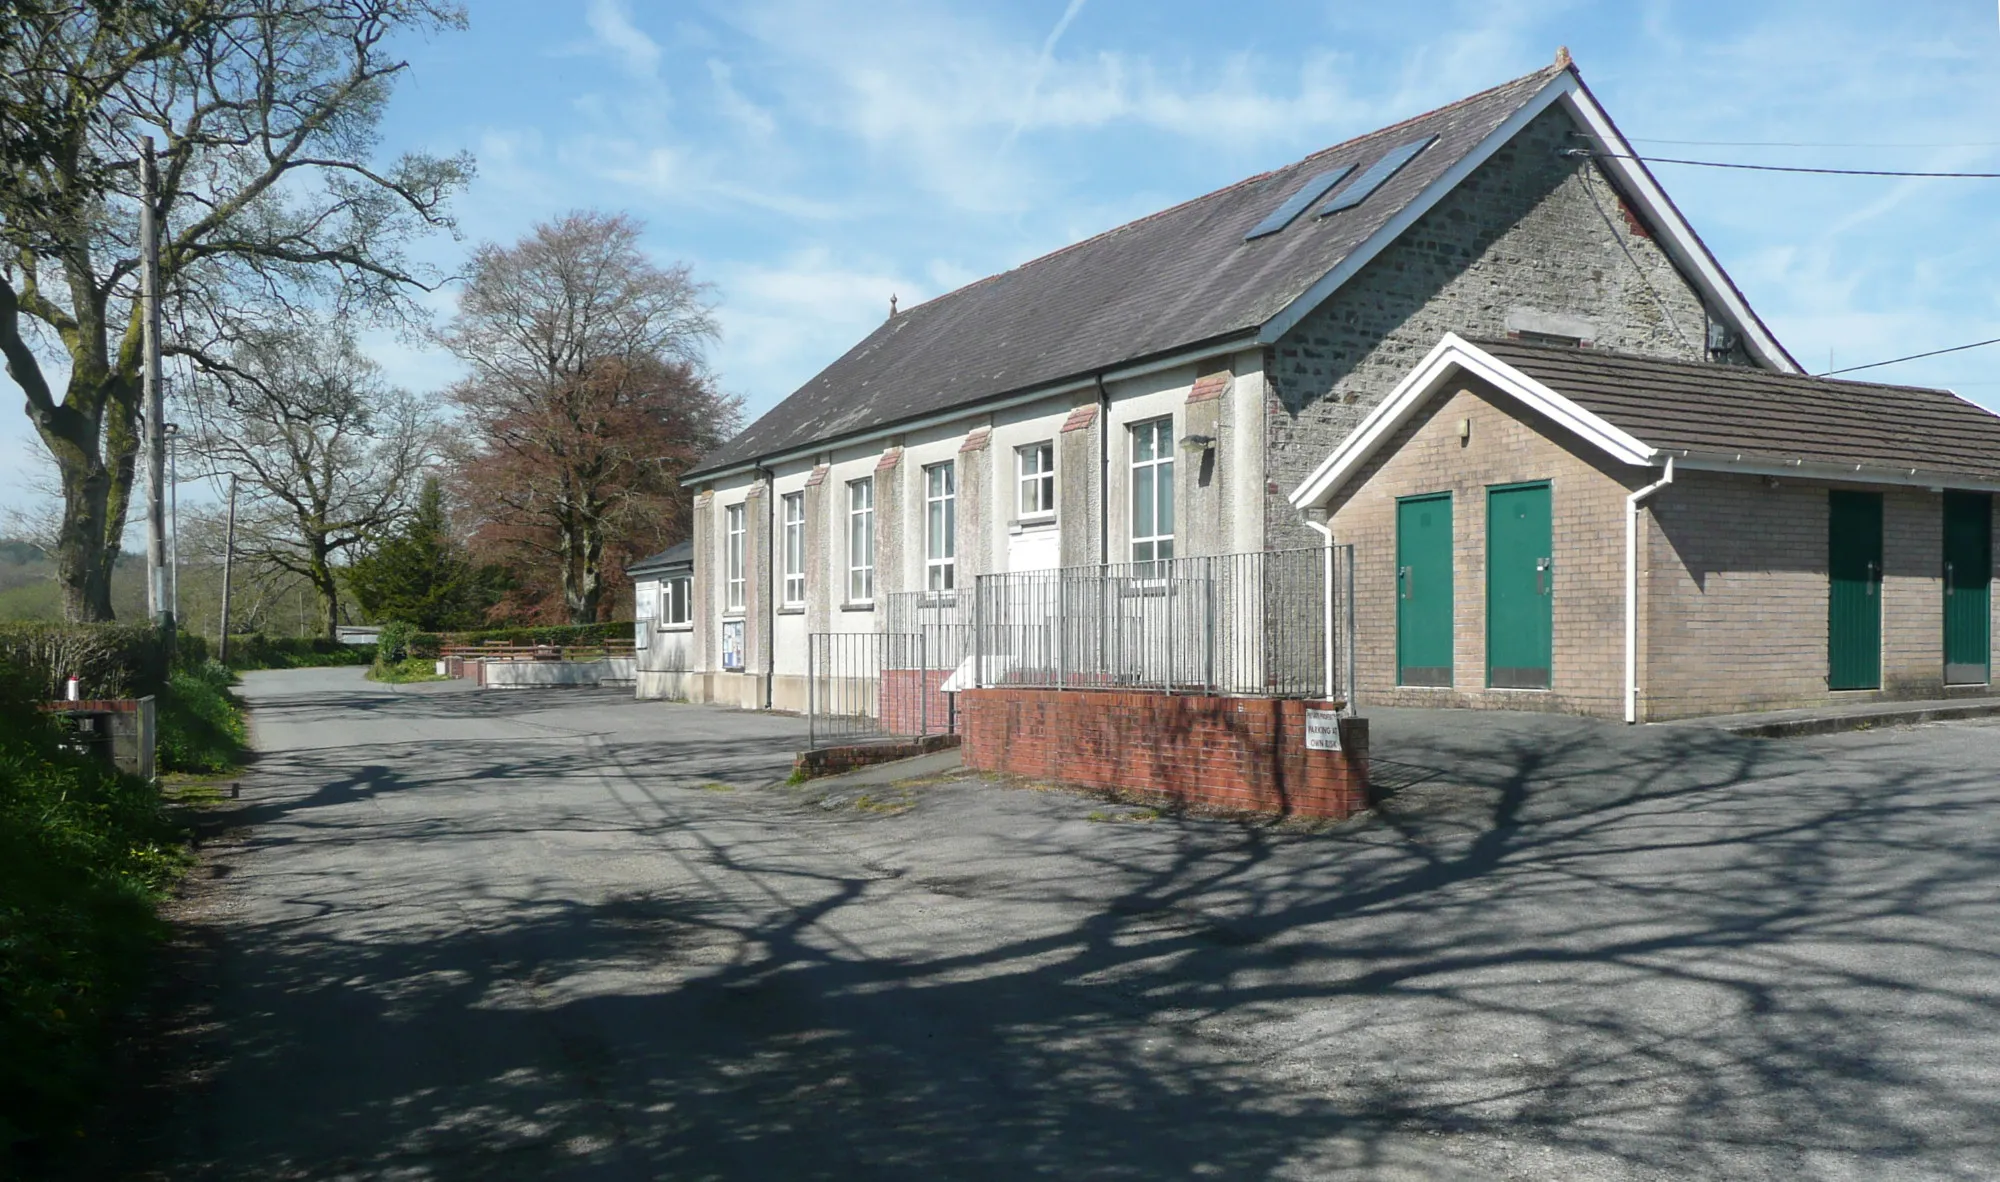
1197	442
1464	432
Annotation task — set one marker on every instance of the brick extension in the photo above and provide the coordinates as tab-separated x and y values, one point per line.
1236	754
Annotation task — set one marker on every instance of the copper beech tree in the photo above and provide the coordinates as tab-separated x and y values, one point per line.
587	399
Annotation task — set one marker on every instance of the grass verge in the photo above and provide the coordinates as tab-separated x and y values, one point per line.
201	722
86	854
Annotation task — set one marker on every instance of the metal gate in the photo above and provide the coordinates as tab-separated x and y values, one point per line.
877	686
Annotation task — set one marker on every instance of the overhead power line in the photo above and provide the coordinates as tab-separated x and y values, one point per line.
1638	139
1912	357
1983	176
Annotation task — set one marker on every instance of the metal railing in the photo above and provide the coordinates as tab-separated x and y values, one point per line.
942	620
867	686
1231	624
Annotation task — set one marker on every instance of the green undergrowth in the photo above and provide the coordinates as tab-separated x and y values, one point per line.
407	670
201	721
86	854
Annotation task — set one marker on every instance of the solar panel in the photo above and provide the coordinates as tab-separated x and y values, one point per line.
1294	205
1377	173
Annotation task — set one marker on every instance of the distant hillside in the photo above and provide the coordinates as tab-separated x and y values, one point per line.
28	584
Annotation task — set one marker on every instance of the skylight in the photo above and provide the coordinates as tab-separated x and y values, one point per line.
1296	204
1377	173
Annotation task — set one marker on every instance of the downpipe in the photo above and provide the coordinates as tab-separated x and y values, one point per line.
771	579
1632	502
1325	530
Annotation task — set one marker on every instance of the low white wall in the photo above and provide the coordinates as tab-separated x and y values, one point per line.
534	674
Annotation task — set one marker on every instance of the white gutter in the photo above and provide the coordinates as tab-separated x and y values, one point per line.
1632	589
1744	464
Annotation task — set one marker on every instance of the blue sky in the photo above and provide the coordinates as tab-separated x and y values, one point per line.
810	159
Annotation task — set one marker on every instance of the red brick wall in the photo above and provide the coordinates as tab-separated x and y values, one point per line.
1242	754
912	704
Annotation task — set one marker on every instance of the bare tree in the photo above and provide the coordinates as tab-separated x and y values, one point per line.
266	111
587	397
328	455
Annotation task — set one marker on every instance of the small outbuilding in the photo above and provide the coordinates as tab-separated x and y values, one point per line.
1563	528
663	620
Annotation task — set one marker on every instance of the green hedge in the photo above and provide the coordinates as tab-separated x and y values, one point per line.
427	643
85	854
254	650
113	660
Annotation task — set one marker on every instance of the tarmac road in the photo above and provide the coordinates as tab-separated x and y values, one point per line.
554	934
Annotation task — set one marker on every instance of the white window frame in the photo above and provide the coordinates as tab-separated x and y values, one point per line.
735	533
861	540
793	514
677	602
1035	486
1151	447
941	527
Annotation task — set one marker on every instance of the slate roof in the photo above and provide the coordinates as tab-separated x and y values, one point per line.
679	555
1175	279
1714	409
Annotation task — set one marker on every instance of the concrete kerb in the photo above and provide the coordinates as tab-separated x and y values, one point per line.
1792	724
821	763
936	763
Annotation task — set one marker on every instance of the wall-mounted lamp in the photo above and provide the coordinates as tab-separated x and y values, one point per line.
1464	432
1197	442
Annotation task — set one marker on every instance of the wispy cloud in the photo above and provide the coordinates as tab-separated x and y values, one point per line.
616	34
1042	62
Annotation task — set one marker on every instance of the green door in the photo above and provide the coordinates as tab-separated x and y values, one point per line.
1968	588
1854	598
1520	587
1423	590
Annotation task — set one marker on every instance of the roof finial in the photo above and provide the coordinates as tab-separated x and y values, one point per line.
892	305
1562	56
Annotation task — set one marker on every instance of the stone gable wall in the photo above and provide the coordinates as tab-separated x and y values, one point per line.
1531	238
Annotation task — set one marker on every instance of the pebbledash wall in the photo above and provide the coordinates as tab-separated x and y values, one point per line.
1234	754
1218	509
1733	583
1531	242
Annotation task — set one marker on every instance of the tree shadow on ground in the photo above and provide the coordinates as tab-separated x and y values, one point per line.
1595	953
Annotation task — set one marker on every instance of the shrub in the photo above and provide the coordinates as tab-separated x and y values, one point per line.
84	855
201	722
393	644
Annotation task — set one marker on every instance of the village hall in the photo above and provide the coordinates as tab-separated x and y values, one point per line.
1480	349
